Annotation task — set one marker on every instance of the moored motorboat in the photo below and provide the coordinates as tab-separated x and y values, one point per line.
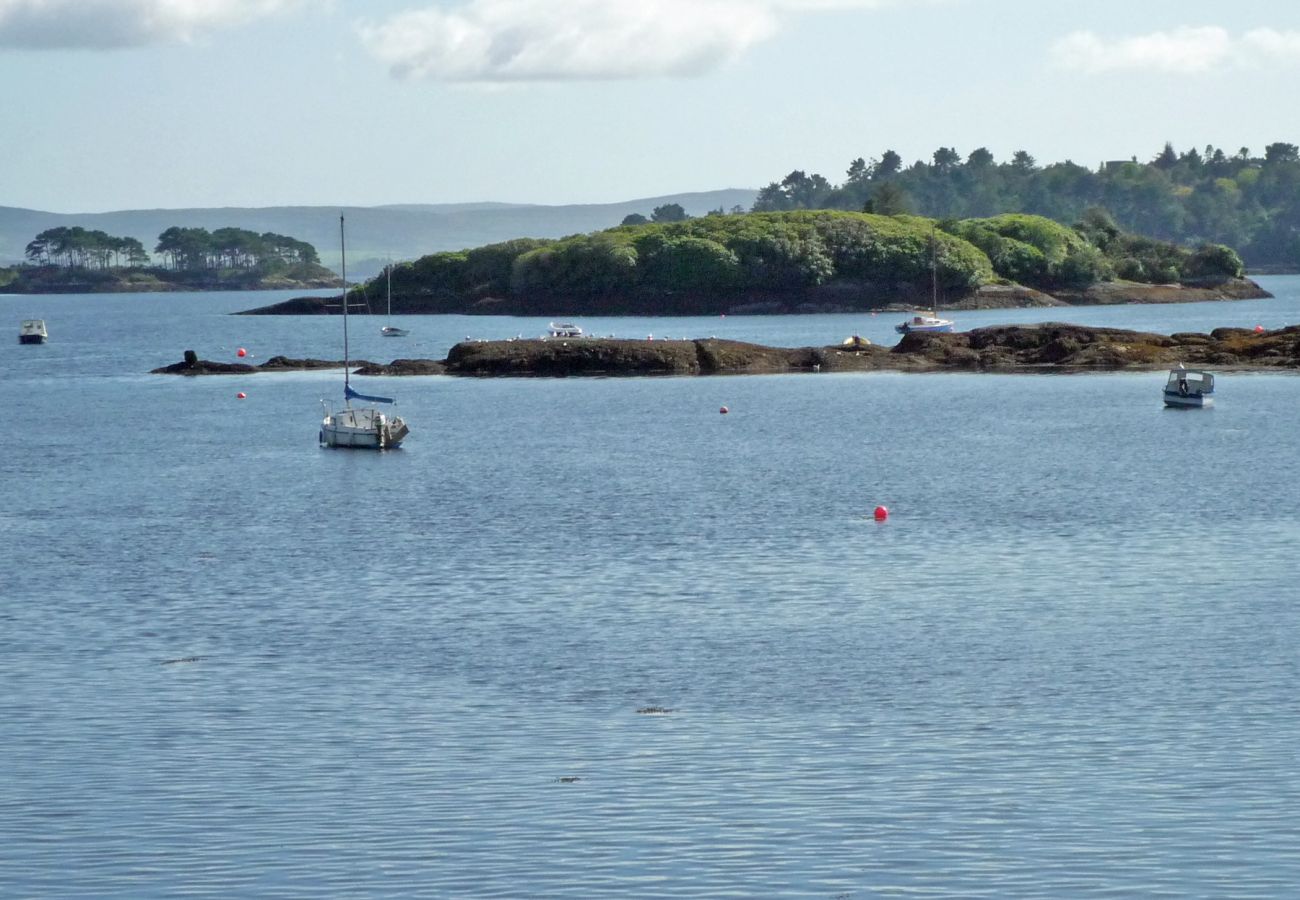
931	324
1189	388
565	330
32	331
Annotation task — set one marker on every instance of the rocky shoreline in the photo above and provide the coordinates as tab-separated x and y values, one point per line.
839	297
1049	346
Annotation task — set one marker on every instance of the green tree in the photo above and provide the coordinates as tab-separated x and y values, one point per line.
669	212
890	165
946	159
887	199
1166	158
1281	153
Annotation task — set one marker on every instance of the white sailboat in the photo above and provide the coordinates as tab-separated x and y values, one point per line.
355	426
391	330
931	323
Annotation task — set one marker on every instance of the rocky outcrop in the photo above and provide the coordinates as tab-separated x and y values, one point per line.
1063	346
583	356
192	365
1001	348
1116	292
404	367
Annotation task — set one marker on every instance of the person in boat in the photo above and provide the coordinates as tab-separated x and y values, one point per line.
1182	386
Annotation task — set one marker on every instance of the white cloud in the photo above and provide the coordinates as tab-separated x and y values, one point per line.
537	40
1183	50
109	24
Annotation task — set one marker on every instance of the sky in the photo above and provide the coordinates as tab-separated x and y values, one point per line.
133	104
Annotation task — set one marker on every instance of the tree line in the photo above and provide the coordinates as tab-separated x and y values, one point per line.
183	249
1248	202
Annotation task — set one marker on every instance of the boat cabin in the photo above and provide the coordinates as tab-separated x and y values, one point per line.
32	331
1189	387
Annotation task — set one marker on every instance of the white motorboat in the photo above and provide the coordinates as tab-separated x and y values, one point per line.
565	330
391	330
362	427
1189	388
32	331
931	324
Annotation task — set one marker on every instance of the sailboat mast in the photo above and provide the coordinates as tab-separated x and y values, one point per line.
343	265
934	275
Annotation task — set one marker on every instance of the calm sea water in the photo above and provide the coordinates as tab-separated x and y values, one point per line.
235	664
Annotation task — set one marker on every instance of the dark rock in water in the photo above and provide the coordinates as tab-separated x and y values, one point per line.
204	367
192	365
576	356
285	363
1050	345
404	367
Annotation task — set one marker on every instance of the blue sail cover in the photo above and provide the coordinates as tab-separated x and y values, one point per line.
353	395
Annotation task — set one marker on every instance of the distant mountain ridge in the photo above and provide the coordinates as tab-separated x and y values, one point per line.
375	233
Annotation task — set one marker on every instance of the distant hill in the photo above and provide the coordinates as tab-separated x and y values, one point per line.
375	233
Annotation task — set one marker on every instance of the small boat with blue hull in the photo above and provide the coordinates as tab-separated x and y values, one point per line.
1189	388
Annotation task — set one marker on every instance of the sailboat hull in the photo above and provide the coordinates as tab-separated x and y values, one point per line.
362	429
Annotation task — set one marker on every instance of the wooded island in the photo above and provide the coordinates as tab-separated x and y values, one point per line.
77	260
807	261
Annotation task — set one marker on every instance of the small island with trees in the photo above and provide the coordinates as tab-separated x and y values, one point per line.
810	261
77	260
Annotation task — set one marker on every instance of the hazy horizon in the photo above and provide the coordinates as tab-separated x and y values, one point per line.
144	104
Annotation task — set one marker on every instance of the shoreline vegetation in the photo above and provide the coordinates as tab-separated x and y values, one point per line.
806	261
1050	346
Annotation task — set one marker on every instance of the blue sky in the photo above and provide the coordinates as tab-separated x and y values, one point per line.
116	104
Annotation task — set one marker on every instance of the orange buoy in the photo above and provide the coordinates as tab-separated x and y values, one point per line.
1259	329
240	396
724	410
881	513
241	352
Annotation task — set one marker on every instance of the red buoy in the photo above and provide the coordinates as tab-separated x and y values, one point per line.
1259	329
241	352
724	410
240	396
881	513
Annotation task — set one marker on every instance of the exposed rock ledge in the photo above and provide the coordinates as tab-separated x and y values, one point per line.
837	297
1051	345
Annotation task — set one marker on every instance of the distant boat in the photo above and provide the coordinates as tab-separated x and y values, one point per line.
931	324
32	331
855	342
391	330
1189	388
363	427
565	330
